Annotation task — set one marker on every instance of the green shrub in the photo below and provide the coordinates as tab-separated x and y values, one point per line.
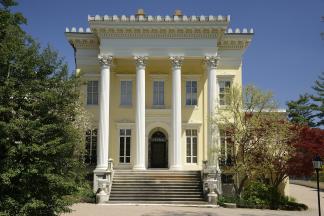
260	195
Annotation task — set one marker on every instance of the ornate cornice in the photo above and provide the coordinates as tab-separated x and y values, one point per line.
176	61
212	61
105	60
235	41
156	32
140	61
83	40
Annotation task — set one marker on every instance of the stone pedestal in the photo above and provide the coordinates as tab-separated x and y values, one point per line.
212	198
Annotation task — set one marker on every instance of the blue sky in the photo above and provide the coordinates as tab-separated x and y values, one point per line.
285	56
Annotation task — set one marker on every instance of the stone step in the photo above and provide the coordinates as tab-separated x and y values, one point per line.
198	202
157	192
130	198
156	186
183	189
157	180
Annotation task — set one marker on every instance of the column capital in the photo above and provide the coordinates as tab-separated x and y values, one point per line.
212	61
105	60
140	61
176	61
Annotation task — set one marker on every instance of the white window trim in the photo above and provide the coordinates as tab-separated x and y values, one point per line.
158	78
191	77
191	146
125	125
130	145
221	78
86	92
128	105
91	142
191	126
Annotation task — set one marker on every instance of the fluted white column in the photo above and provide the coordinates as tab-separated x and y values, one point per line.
213	88
140	112
103	141
176	162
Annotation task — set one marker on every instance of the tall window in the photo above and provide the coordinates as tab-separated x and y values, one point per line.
191	136
124	145
126	92
227	148
158	93
224	90
92	92
91	146
191	92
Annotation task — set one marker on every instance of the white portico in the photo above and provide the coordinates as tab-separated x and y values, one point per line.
158	80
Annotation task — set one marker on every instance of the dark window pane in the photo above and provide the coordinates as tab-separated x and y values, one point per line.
194	149
188	160
127	146
121	146
127	159
194	160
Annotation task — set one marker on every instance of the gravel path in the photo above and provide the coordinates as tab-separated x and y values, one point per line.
302	194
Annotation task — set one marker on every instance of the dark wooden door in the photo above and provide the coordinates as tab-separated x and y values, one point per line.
159	150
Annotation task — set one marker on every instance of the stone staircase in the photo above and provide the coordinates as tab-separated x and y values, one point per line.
157	186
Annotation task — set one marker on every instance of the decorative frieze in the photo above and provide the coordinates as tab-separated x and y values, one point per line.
105	60
212	61
140	61
176	61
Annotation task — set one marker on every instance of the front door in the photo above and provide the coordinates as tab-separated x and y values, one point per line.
159	156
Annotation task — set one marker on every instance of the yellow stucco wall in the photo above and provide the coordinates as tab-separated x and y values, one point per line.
192	116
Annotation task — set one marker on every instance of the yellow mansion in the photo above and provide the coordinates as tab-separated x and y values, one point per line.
151	85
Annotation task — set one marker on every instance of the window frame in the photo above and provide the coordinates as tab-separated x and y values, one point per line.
191	93
191	137
158	105
128	95
92	94
93	138
226	148
124	155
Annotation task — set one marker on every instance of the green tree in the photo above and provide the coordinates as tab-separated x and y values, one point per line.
41	124
300	111
259	135
308	109
318	100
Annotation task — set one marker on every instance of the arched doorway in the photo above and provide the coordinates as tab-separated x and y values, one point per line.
158	150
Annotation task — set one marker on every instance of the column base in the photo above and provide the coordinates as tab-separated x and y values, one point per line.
175	167
99	173
139	167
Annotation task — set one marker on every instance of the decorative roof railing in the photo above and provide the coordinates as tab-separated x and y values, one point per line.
149	18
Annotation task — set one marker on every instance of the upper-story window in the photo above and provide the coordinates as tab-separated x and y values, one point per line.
158	93
126	92
191	92
92	92
224	90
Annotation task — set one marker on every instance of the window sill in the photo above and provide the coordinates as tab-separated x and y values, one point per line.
158	106
91	105
195	107
125	106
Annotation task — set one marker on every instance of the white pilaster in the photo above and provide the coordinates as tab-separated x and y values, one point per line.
140	112
103	142
176	162
212	100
